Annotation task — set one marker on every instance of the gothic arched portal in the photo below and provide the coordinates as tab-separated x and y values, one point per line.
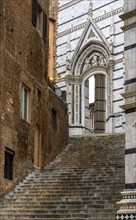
93	59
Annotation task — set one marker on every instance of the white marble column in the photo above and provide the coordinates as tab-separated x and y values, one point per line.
127	206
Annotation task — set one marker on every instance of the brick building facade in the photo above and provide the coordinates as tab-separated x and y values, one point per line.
32	117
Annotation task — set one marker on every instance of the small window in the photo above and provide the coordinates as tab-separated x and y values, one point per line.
25	99
8	168
39	19
54	118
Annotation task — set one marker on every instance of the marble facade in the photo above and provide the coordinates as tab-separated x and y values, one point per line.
127	206
90	42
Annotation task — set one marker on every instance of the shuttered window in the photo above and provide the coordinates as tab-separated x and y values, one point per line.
45	26
39	19
8	168
34	12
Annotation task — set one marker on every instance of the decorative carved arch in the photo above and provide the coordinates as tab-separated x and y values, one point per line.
97	58
89	48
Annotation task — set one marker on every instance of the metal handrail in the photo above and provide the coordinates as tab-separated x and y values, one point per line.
56	90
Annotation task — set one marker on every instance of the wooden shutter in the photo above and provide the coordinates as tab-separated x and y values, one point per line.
34	12
45	26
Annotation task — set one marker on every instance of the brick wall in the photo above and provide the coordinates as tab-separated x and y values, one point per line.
24	59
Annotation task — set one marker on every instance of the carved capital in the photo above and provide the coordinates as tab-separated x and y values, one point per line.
73	79
110	66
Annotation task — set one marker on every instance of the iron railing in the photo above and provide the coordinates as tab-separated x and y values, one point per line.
61	94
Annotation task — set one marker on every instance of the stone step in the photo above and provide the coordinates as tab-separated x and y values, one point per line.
80	215
83	182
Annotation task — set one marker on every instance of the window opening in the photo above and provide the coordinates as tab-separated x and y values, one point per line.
8	168
25	102
39	19
54	118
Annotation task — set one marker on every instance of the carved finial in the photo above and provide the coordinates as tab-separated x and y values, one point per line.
68	46
90	9
111	49
68	54
112	28
112	25
91	34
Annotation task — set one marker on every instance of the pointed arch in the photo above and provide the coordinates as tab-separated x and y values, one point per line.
93	46
92	57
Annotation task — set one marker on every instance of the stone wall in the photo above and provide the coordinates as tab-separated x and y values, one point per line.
58	133
24	61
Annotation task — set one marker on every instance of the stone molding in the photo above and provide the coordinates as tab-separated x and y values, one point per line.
70	30
100	18
128	14
128	106
69	4
128	194
128	27
129	94
126	216
94	69
109	14
127	205
73	79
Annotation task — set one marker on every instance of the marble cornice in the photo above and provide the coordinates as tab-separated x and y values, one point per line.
129	94
118	61
99	18
69	4
70	30
128	14
128	27
128	203
109	14
128	194
128	106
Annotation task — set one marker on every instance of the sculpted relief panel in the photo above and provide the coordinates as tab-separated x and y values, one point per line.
94	60
93	55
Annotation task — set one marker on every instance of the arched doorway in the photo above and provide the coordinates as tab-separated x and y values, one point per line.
93	60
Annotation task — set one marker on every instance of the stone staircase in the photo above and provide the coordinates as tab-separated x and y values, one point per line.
83	182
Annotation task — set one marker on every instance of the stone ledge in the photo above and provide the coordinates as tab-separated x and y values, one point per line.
128	27
128	14
128	106
129	94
